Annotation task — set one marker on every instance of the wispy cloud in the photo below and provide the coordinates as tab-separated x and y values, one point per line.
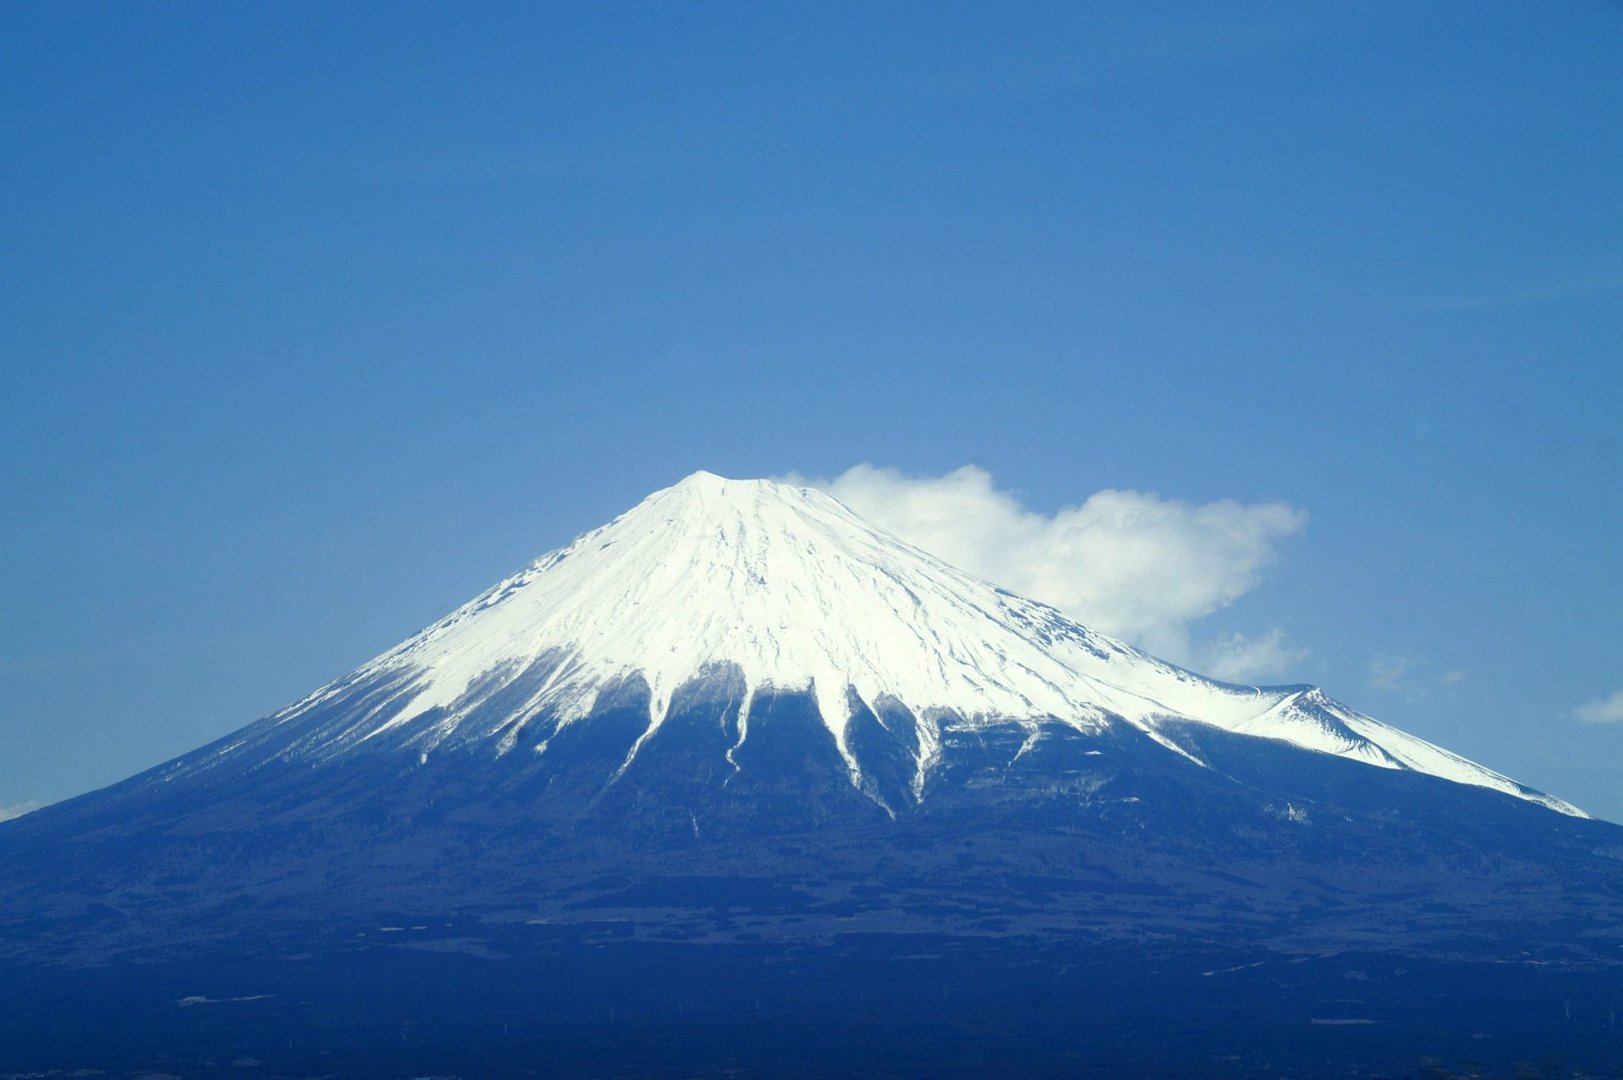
17	810
1412	675
1547	292
1388	671
1242	659
47	665
1606	710
1128	563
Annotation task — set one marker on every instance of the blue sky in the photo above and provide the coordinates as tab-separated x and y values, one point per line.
317	319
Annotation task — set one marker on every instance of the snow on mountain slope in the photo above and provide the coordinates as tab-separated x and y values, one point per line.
796	592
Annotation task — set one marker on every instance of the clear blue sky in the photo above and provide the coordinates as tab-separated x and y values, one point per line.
316	319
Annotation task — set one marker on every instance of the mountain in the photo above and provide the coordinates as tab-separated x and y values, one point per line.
715	586
740	720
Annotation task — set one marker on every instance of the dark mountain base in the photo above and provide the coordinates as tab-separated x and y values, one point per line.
588	1001
1102	838
1058	904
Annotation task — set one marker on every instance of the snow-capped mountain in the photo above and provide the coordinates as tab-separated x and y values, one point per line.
738	712
783	589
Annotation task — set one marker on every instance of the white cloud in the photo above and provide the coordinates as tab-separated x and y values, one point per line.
1240	659
1606	710
1391	672
1412	675
17	810
1128	563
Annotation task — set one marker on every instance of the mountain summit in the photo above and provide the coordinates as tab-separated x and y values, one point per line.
783	589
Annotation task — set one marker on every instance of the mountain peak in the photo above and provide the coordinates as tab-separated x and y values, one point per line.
704	478
703	482
705	494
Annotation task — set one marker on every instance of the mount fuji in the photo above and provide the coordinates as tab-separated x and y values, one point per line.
739	733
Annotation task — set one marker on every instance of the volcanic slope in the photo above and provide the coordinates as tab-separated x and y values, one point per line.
783	589
739	697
